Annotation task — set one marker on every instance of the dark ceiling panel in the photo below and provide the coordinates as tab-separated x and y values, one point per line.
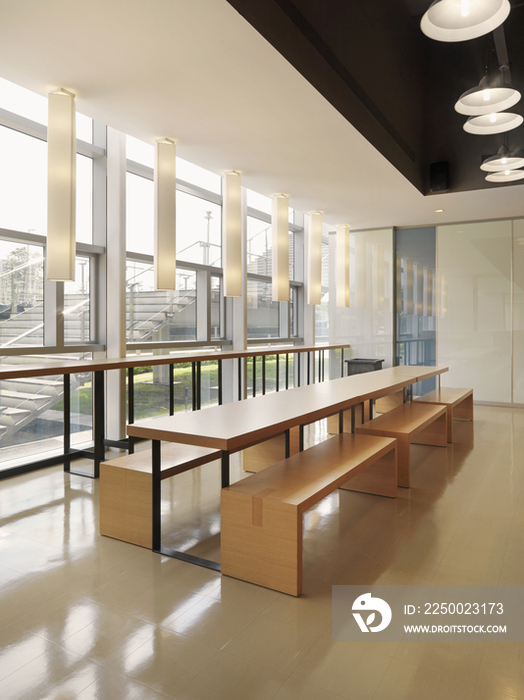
370	60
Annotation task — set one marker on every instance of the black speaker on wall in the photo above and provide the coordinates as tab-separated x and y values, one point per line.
439	177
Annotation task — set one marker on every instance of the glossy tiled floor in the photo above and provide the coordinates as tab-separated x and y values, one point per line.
83	616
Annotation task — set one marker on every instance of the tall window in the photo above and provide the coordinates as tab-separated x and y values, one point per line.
198	230
21	294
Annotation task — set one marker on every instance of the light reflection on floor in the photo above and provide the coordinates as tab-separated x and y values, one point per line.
84	616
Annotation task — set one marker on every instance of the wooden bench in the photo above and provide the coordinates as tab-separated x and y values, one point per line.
423	424
459	403
261	538
126	489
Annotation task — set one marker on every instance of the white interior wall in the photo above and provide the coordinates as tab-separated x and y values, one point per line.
478	336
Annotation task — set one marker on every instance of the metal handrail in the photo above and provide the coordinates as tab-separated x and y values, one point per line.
135	325
147	269
23	335
30	263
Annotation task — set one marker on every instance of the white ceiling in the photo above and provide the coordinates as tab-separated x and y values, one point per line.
197	71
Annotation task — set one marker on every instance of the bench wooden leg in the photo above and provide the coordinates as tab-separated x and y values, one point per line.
449	417
436	433
261	543
403	462
464	410
379	478
125	505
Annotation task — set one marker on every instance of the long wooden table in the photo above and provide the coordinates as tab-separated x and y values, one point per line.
236	426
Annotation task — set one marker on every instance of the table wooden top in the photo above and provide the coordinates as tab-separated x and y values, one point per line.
235	426
44	369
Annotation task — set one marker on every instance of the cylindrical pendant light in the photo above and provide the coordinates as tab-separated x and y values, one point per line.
408	286
505	176
419	288
314	262
232	233
280	247
342	265
165	214
428	282
491	95
460	20
61	187
504	160
378	277
361	269
494	123
443	295
398	282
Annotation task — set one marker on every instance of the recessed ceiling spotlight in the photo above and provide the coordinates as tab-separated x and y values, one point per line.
489	96
504	160
459	20
494	123
505	176
439	211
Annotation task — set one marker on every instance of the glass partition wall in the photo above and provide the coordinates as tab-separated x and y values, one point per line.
476	335
416	300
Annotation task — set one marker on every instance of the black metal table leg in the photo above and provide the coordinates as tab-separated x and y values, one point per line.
301	438
288	443
193	387
99	420
341	421
225	468
156	496
220	382
156	506
67	422
353	419
171	389
131	406
240	379
199	385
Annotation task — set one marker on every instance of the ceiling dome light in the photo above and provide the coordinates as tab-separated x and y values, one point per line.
489	96
494	123
504	160
506	176
459	20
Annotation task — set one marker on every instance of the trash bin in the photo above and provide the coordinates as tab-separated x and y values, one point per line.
360	365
